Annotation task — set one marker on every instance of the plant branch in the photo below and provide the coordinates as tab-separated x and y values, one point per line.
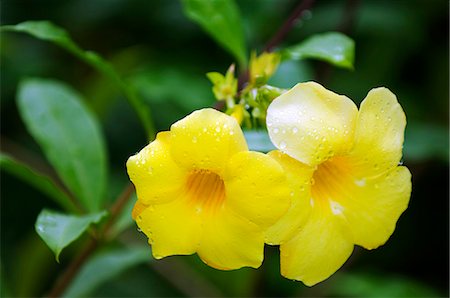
288	24
278	37
345	26
63	282
117	207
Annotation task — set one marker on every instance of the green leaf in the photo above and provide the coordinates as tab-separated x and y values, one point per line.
103	266
220	19
69	135
332	47
258	140
48	31
58	230
39	181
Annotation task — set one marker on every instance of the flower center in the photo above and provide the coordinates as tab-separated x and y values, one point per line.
330	184
205	189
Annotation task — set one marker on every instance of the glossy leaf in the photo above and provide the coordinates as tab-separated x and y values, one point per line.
69	135
103	266
332	47
220	19
48	31
41	182
58	230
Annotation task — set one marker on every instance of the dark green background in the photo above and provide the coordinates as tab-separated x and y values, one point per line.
402	45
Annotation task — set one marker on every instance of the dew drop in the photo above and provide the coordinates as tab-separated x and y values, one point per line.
360	182
231	132
294	130
336	208
218	128
292	193
275	130
282	145
194	139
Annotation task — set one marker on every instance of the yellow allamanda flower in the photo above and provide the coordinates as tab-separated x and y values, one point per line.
201	191
342	165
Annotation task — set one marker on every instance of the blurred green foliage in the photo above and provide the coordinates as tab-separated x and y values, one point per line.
157	54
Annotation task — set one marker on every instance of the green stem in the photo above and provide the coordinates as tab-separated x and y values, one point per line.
66	278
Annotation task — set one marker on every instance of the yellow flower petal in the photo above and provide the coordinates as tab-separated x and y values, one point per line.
153	172
173	228
298	176
206	139
231	242
375	205
379	133
311	123
370	205
318	250
256	188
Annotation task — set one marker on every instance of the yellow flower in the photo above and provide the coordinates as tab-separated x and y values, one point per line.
201	191
342	165
263	67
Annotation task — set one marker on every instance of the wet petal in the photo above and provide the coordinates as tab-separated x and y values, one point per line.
311	123
154	173
318	250
206	139
256	188
379	134
375	206
173	228
231	242
299	177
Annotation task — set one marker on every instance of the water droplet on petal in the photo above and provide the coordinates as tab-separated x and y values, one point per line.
194	139
294	130
282	145
275	130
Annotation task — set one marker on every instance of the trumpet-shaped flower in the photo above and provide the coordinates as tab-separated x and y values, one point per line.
342	166
201	191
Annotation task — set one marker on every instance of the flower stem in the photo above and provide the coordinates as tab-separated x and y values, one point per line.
66	278
288	24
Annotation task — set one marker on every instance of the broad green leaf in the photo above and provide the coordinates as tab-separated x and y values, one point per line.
103	266
220	19
69	135
48	31
258	140
58	230
37	180
332	47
